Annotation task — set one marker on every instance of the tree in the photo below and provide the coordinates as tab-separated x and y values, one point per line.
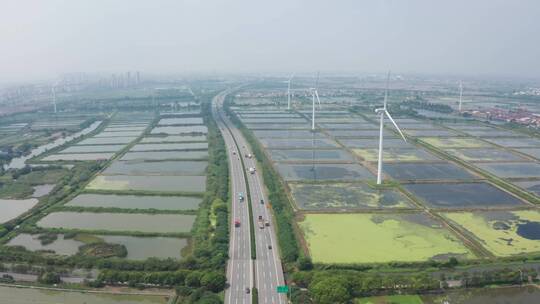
330	290
49	277
193	279
304	263
213	281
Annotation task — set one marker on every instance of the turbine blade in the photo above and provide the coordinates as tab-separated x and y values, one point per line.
318	100
395	125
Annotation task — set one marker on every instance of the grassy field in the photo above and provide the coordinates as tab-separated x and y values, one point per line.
405	299
394	154
498	231
454	142
377	238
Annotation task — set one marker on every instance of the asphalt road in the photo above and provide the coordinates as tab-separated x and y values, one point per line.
268	272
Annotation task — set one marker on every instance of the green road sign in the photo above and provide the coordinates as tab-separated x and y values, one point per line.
283	289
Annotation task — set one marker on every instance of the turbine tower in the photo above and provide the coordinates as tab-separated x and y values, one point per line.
54	97
289	92
382	112
314	94
460	95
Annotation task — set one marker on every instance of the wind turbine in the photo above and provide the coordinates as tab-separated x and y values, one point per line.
289	92
460	95
54	97
314	94
382	112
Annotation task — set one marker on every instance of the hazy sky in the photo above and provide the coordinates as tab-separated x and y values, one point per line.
42	38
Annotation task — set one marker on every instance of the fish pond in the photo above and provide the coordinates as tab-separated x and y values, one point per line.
396	155
341	172
484	155
310	155
517	142
345	196
276	143
157	168
10	208
92	149
169	146
180	130
503	233
378	238
165	155
136	201
78	157
455	142
512	170
180	121
173	138
534	152
426	171
463	195
152	223
33	295
374	143
148	183
106	140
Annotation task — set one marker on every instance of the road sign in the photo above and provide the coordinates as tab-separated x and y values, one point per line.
283	289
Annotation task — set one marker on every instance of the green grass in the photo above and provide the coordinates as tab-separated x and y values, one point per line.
501	242
22	187
405	299
378	238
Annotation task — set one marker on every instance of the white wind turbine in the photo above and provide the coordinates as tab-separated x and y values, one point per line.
460	95
382	112
289	92
314	94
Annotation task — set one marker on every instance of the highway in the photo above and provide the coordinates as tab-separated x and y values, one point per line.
268	272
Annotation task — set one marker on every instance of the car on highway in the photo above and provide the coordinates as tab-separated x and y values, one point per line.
241	196
236	223
269	247
262	201
248	290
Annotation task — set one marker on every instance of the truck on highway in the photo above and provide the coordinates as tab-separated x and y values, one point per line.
248	155
251	170
261	222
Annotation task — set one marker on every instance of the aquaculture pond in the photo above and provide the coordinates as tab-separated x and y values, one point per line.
148	183
187	167
287	120
78	157
287	134
121	128
276	143
45	296
511	170
517	142
142	248
359	133
349	126
345	196
503	233
492	133
10	208
170	146
426	171
378	238
60	246
396	155
281	126
173	138
463	195
315	172
374	143
106	140
180	130
157	223
484	155
310	155
136	201
181	121
118	134
92	149
164	155
42	190
455	142
534	152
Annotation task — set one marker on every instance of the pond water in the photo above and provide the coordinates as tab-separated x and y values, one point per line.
136	201
396	154
516	142
481	154
27	296
19	162
173	138
534	152
282	126
349	126
442	133
511	170
529	230
118	134
426	171
463	195
374	143
164	155
492	133
142	248
315	155
287	134
10	209
180	130
42	190
299	172
359	133
78	156
274	143
181	121
59	246
94	148
106	140
157	168
149	183
169	146
158	223
531	186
